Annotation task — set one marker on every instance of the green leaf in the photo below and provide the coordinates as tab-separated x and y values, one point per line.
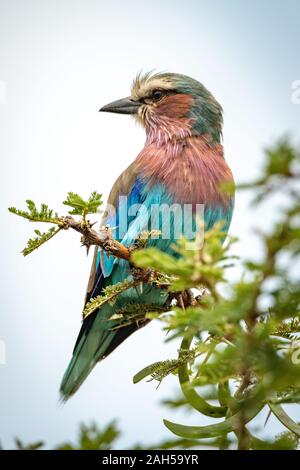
193	398
34	215
284	418
155	370
93	438
82	207
33	446
224	395
213	430
136	313
34	243
109	294
159	370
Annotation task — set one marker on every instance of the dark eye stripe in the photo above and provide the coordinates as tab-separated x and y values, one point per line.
164	93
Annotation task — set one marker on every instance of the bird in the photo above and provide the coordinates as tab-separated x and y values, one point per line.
181	163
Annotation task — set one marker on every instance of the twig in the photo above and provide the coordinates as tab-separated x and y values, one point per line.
90	237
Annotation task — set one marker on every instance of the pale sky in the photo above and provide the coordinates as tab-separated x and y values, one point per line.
59	62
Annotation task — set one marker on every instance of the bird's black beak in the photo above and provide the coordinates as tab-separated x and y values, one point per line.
124	106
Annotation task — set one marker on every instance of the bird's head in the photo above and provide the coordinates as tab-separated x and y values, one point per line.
171	105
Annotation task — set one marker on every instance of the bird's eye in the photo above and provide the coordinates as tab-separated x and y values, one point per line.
157	95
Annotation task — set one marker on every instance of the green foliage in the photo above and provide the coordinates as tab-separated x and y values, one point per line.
46	215
249	334
93	438
288	329
34	215
90	437
82	207
159	370
200	264
33	446
136	313
34	243
108	295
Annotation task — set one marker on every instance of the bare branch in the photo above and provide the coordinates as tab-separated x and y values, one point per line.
90	237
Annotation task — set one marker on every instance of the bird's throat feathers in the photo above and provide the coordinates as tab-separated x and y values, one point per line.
191	168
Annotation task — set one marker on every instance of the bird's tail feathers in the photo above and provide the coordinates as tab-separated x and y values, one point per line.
96	340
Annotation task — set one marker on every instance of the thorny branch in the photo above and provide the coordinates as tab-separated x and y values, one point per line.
102	238
105	240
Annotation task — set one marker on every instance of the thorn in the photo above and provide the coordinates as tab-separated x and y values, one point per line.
267	418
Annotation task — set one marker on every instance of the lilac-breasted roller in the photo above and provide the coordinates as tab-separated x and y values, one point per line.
181	163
